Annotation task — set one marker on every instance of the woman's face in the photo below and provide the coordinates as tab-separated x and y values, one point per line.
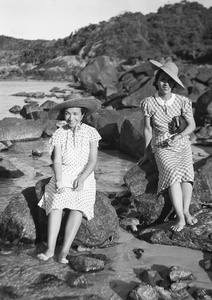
165	84
73	116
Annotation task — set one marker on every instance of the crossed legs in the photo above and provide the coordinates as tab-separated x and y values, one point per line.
180	195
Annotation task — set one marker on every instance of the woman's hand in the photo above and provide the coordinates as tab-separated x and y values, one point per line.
59	186
78	184
174	139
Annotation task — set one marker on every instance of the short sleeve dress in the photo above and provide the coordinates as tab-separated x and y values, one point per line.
174	162
75	148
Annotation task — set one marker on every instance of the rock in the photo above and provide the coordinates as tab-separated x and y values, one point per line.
3	147
143	291
86	263
8	170
15	109
202	191
204	74
134	99
37	153
101	231
47	105
178	274
150	277
204	135
194	237
29	100
14	129
203	109
18	220
108	123
99	71
28	108
78	281
131	135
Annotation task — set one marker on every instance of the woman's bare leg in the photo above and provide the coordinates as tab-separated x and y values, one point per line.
72	226
187	194
54	222
175	193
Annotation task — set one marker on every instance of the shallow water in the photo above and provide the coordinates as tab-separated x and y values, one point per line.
22	270
8	88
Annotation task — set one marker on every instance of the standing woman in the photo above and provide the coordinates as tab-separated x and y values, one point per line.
73	185
173	152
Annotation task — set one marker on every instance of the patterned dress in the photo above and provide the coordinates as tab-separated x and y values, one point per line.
75	156
175	163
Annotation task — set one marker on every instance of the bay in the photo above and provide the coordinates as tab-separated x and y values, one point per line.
9	88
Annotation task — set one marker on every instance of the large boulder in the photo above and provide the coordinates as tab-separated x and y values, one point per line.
14	129
131	135
23	221
8	170
145	89
102	230
108	123
99	75
203	109
19	221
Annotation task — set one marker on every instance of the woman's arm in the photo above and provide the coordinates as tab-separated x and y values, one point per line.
57	165
147	141
188	129
78	183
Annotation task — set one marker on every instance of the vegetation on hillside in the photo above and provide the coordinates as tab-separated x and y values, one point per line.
183	30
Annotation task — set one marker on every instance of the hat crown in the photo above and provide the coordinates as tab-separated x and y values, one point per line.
171	67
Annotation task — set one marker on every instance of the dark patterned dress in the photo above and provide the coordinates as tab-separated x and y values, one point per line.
174	161
75	156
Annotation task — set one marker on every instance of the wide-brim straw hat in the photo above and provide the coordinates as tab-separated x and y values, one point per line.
56	112
169	68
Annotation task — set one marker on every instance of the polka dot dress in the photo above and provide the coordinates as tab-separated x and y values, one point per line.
175	163
75	148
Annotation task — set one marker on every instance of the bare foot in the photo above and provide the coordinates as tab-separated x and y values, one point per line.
45	256
190	220
62	258
178	226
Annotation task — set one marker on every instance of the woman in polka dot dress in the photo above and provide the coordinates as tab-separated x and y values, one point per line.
172	147
73	186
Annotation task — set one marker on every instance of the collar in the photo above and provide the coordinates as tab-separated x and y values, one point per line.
76	129
164	103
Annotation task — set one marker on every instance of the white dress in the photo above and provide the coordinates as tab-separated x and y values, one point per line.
75	156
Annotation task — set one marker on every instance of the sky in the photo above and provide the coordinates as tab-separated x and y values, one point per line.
54	19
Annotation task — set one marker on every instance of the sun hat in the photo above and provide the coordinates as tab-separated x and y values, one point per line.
90	104
169	68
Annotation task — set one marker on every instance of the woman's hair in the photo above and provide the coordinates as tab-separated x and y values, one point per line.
159	72
84	111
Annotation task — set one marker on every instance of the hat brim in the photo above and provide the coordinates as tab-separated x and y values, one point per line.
162	67
91	106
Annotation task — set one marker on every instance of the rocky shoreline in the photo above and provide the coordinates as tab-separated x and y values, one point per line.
137	209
